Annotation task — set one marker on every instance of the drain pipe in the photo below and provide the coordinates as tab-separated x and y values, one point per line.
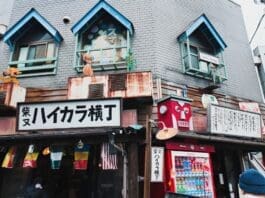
125	163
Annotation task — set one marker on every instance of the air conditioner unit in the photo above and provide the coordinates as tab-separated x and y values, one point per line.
88	87
11	94
124	85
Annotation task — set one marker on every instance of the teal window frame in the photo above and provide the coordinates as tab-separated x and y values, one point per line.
46	65
96	13
102	65
210	71
18	34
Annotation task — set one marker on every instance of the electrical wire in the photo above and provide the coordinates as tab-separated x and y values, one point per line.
256	28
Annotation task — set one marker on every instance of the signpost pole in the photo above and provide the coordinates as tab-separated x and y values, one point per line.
147	161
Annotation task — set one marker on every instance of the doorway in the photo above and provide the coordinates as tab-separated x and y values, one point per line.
227	167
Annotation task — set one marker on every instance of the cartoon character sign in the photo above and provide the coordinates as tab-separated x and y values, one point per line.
182	114
176	113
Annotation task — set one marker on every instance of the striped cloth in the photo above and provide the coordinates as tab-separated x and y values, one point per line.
108	161
8	161
31	157
81	155
56	157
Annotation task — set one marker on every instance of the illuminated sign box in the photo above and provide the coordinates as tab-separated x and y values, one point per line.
227	121
69	114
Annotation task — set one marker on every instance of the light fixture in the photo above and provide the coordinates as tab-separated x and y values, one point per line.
31	148
46	151
163	109
165	133
134	128
66	19
3	28
80	144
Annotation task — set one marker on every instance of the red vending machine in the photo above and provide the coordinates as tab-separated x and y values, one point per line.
189	170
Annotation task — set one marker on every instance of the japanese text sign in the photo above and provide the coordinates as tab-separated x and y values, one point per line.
222	120
69	114
157	164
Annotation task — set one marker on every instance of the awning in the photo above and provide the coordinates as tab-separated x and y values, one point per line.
207	29
89	135
222	139
24	23
93	12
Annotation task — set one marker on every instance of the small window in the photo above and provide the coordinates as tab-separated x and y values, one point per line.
106	40
201	60
202	51
35	53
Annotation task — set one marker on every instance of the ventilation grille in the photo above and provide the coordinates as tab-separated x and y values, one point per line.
96	90
117	82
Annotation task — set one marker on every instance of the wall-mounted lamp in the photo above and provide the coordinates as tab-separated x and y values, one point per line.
163	109
80	144
46	151
165	133
134	128
3	28
66	19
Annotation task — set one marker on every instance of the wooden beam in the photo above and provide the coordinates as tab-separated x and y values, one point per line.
133	169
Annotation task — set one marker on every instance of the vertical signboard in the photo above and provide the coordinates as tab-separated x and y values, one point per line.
157	164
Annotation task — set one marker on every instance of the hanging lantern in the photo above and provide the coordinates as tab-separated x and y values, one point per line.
46	151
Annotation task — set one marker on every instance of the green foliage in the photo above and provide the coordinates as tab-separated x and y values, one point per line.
130	61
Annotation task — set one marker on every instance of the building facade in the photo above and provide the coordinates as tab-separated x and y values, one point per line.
163	40
152	62
6	10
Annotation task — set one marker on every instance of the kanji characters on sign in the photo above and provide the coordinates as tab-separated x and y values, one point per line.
69	114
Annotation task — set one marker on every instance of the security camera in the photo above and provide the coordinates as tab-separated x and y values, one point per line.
66	19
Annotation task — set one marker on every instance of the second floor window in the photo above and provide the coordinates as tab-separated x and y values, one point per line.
103	33
202	51
201	58
107	41
35	52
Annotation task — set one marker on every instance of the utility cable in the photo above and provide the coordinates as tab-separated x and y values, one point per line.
256	28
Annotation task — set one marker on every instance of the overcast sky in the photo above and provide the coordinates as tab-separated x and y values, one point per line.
252	13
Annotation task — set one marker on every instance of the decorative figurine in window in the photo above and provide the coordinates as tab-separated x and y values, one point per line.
10	75
87	69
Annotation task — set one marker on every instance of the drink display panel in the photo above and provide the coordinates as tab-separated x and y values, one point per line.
192	173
